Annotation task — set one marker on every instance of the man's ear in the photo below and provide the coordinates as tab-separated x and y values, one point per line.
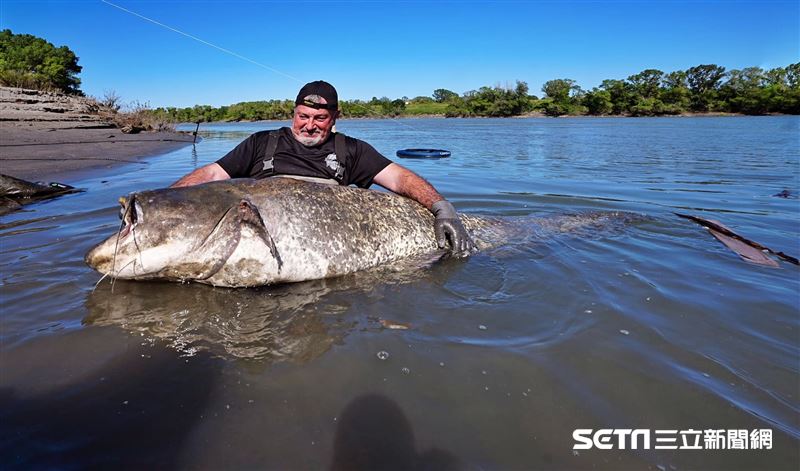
336	115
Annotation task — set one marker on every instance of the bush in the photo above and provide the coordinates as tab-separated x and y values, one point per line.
133	118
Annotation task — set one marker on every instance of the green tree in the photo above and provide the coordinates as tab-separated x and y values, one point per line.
645	88
776	76
31	62
675	93
702	78
743	92
675	79
704	81
598	102
560	90
564	97
791	102
442	95
456	107
398	105
647	84
793	75
621	95
647	107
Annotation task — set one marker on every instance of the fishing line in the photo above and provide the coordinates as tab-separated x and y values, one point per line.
122	224
227	51
234	54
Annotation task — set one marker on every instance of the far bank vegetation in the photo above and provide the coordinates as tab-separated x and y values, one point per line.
706	88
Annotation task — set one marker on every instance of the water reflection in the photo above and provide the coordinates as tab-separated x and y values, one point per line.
276	324
294	322
194	156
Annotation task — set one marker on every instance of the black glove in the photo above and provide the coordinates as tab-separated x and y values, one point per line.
447	226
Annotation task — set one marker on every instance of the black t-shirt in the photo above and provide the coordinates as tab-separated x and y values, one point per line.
362	162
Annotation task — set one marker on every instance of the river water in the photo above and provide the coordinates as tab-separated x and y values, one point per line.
647	324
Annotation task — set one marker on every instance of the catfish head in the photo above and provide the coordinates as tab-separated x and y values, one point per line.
189	234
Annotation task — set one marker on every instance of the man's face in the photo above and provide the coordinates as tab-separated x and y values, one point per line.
311	126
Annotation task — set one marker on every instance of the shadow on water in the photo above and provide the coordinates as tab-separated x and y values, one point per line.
374	433
130	413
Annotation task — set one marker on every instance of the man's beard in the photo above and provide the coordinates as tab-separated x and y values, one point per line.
309	141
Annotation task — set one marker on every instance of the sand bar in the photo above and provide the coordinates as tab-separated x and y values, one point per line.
51	137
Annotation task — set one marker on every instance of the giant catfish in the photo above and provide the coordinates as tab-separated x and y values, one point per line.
244	232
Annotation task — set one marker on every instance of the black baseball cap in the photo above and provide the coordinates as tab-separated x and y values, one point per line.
319	88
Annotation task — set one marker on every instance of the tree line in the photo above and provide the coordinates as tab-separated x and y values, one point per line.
700	89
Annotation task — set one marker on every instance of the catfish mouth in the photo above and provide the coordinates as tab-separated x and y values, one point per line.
130	213
103	257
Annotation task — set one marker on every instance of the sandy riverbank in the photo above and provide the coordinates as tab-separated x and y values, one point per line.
52	137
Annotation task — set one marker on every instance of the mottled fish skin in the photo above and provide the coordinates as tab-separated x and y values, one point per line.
246	232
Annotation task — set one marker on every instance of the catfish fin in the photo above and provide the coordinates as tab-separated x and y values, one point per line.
249	215
746	249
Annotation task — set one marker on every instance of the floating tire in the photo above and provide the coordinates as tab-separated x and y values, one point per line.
423	153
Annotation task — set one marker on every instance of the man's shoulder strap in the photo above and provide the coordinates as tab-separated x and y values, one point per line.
340	147
269	154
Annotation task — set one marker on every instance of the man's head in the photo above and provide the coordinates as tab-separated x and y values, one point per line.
315	112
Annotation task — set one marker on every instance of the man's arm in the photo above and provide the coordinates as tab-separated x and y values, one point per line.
447	226
403	181
208	173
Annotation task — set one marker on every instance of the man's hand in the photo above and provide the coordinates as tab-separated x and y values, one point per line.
448	227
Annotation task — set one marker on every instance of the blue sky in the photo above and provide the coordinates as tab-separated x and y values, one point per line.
394	48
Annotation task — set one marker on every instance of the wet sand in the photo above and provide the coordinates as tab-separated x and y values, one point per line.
47	151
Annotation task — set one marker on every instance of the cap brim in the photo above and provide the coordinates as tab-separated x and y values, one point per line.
318	106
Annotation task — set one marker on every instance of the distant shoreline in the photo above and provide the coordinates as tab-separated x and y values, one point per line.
530	115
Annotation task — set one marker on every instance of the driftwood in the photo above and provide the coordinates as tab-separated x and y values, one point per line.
745	248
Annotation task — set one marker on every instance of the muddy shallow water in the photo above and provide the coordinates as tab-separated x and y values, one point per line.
646	324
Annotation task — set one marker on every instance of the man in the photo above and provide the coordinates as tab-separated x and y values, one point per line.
307	151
